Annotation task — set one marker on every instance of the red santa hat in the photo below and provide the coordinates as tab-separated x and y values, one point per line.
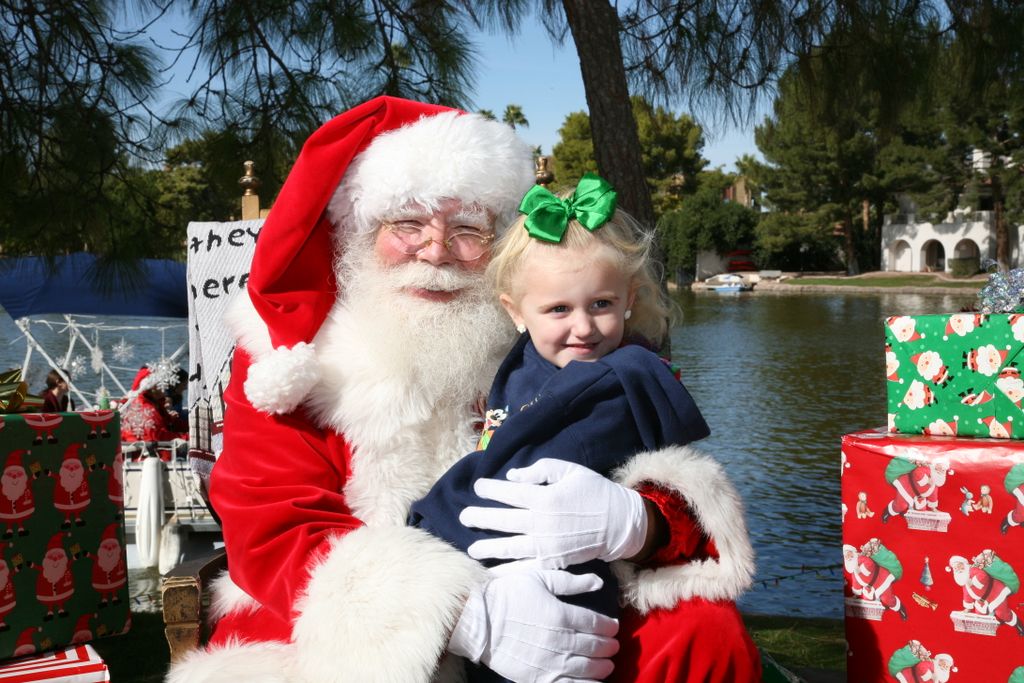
26	641
374	159
110	532
991	422
14	458
71	452
56	542
83	631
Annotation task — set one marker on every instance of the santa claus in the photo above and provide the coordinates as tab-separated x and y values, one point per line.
1014	484
872	570
71	495
360	363
109	573
985	360
904	328
115	482
17	503
55	584
915	484
918	396
962	324
1010	383
83	630
7	598
987	583
930	366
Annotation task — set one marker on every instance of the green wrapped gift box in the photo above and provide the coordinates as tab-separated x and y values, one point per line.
63	569
956	375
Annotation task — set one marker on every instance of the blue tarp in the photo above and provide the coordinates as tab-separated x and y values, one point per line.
68	284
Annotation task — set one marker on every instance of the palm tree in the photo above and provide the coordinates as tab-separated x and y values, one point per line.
514	116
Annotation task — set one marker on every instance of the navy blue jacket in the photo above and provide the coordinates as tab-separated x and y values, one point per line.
598	414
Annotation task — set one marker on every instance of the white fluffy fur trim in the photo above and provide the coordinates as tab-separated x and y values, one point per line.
450	155
380	606
280	380
249	662
227	597
719	512
246	326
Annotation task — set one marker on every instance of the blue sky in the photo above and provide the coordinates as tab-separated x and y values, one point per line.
531	71
545	81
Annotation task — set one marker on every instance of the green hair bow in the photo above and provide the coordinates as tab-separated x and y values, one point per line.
547	216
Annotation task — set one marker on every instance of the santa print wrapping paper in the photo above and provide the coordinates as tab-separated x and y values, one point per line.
63	571
955	375
933	555
79	664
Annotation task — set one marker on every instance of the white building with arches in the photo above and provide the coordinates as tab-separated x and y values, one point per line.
909	246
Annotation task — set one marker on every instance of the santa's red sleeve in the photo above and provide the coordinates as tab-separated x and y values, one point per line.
708	554
362	602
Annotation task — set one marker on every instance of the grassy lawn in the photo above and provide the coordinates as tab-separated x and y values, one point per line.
141	655
800	643
887	281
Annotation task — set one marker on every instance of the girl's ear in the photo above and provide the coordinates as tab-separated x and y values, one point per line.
511	308
632	295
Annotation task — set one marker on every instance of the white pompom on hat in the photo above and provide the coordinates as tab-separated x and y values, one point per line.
376	158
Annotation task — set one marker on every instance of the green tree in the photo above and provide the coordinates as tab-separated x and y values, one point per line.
73	98
269	68
514	116
706	221
670	147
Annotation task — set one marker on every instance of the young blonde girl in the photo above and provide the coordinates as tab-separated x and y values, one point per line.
574	396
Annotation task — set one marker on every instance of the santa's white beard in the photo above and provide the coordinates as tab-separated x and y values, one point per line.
13	488
71	479
54	570
108	557
446	347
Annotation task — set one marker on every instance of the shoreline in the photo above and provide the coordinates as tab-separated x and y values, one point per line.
791	284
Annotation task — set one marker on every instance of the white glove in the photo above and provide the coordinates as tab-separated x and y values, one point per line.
577	516
517	626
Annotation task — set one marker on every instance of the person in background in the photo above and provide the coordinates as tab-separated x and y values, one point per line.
56	398
145	417
175	399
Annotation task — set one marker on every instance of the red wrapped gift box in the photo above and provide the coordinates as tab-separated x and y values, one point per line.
78	664
933	554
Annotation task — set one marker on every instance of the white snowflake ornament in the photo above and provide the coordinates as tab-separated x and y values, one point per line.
123	351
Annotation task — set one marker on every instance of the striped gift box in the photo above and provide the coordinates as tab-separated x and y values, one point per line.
79	664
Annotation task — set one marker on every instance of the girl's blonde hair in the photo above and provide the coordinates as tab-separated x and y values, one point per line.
627	242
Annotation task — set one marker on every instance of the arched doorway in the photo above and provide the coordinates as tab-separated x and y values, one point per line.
900	257
966	259
933	257
966	248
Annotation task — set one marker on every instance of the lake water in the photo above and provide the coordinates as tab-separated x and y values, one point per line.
779	378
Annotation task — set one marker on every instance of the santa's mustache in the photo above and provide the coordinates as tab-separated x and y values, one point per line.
426	276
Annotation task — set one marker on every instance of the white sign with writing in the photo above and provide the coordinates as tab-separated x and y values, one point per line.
219	256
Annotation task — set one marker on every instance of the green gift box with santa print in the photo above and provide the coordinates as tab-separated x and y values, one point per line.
63	570
956	375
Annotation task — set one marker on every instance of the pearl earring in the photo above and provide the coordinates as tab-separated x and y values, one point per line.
628	314
520	328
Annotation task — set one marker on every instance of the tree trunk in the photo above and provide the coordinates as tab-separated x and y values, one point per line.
595	29
1002	233
850	247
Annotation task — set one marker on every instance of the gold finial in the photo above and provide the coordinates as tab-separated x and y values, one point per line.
544	175
249	182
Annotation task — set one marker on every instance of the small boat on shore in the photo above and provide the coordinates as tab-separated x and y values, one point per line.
728	283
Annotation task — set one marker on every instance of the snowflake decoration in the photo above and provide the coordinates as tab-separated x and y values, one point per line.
164	374
96	360
123	351
76	368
